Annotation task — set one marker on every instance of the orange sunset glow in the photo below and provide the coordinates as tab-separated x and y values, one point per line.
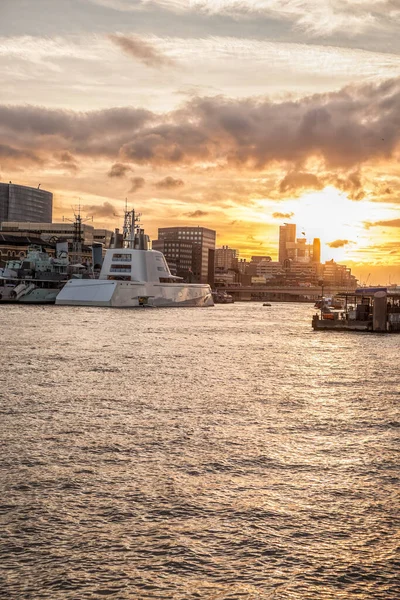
233	116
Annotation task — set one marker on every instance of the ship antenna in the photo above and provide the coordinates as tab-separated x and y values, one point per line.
78	236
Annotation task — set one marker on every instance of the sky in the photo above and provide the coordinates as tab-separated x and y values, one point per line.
238	115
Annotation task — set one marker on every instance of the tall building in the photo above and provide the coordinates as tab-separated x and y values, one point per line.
203	241
240	264
225	257
302	250
287	241
178	254
23	203
316	250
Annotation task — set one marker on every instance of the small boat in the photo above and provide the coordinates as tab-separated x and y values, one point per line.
222	297
266	304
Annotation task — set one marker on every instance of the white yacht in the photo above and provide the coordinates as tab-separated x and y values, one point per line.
134	276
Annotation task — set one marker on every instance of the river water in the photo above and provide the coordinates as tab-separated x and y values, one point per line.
228	452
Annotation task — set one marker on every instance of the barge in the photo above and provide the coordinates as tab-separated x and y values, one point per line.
367	309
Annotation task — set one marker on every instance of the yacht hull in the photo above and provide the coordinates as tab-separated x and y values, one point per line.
129	294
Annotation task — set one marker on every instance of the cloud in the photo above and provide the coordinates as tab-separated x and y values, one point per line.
196	214
389	223
339	243
67	161
138	48
316	18
279	215
100	210
119	170
137	184
39	130
298	180
169	183
10	155
342	130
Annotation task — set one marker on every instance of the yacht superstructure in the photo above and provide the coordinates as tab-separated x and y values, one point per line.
134	276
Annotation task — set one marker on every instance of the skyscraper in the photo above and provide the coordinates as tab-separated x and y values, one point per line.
23	203
316	251
287	241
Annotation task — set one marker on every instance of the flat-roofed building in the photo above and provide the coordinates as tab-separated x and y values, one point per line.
178	254
24	203
335	274
103	236
268	268
203	255
225	257
64	230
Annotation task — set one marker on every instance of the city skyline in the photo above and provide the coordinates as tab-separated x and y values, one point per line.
235	117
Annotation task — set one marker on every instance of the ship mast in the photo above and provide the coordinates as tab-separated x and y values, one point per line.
77	240
132	234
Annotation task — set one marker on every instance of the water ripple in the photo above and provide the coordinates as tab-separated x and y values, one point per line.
229	453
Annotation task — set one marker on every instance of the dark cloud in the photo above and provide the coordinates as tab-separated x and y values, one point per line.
339	243
66	157
119	170
67	161
141	50
196	214
169	143
39	132
351	184
299	180
169	183
344	129
11	155
389	223
296	182
137	184
341	129
100	210
279	215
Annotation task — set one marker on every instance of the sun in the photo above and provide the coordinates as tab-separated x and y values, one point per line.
343	225
330	215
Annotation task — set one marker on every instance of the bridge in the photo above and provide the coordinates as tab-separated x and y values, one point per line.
283	293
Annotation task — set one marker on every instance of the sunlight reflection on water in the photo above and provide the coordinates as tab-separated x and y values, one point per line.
229	452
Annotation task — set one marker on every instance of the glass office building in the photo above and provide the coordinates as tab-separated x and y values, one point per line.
25	204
